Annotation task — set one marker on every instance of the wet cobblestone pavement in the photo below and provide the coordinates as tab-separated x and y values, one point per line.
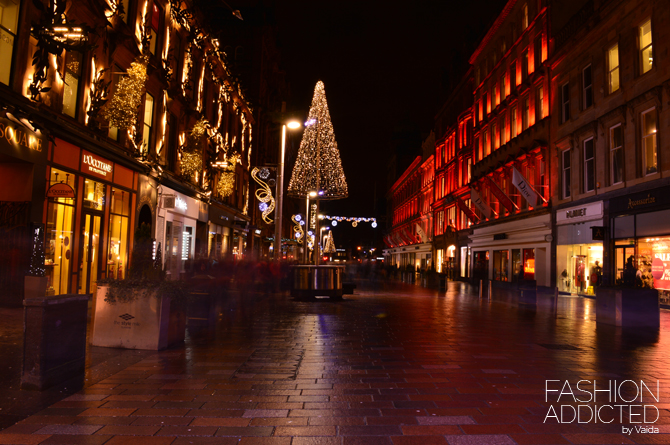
395	364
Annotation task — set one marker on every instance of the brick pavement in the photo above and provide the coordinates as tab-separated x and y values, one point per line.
398	365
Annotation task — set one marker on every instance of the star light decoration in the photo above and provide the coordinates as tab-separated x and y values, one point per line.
264	193
298	231
121	110
318	155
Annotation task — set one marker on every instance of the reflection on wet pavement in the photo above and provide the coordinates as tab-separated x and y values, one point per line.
392	364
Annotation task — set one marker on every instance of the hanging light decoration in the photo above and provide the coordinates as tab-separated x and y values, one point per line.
264	193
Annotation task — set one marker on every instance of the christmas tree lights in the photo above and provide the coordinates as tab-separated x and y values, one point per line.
121	111
318	165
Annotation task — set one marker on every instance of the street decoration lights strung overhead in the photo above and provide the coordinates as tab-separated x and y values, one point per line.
353	219
264	193
318	167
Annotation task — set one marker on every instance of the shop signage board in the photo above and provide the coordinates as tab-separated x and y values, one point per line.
60	190
585	212
96	166
502	197
642	201
597	233
19	141
524	187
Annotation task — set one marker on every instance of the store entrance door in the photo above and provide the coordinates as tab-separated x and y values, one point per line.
90	253
622	253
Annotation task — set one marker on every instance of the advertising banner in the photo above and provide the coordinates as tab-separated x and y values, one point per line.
524	187
480	204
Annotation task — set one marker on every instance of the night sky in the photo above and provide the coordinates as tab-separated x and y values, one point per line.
386	66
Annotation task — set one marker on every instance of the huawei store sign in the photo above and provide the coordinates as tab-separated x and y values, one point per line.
96	166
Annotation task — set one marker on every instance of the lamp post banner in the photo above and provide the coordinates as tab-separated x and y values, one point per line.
480	204
524	187
502	197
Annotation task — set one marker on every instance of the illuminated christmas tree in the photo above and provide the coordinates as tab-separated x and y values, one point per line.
329	244
318	166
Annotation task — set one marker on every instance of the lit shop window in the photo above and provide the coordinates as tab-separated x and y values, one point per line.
59	235
117	256
528	264
646	54
94	194
9	17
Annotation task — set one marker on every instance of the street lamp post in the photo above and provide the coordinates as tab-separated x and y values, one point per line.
280	188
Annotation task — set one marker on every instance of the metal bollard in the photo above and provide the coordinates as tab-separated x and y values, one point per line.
490	289
555	308
481	289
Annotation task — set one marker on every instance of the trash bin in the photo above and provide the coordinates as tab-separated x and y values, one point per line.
54	340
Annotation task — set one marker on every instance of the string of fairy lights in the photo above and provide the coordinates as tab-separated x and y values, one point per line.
354	220
318	148
121	110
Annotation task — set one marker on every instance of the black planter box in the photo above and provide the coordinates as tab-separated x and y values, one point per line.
54	340
628	307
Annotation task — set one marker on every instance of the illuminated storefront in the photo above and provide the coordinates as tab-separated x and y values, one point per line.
579	257
513	251
88	218
641	241
219	233
22	186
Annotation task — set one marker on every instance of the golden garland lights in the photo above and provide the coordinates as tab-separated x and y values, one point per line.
318	141
121	110
191	155
226	184
264	193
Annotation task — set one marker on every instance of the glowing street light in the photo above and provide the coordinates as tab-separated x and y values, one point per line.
280	187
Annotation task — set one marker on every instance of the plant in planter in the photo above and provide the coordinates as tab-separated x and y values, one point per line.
144	311
35	283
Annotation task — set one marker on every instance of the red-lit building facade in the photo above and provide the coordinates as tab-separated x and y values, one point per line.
610	76
512	239
452	208
409	241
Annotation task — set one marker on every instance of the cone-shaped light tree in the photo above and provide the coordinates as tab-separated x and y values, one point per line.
318	167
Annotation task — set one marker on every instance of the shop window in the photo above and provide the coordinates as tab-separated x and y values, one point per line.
126	10
148	123
646	53
589	166
117	250
155	25
565	157
9	19
59	236
579	267
613	68
481	265
537	52
500	264
565	102
94	194
517	265
528	264
649	156
616	154
587	87
525	115
73	68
